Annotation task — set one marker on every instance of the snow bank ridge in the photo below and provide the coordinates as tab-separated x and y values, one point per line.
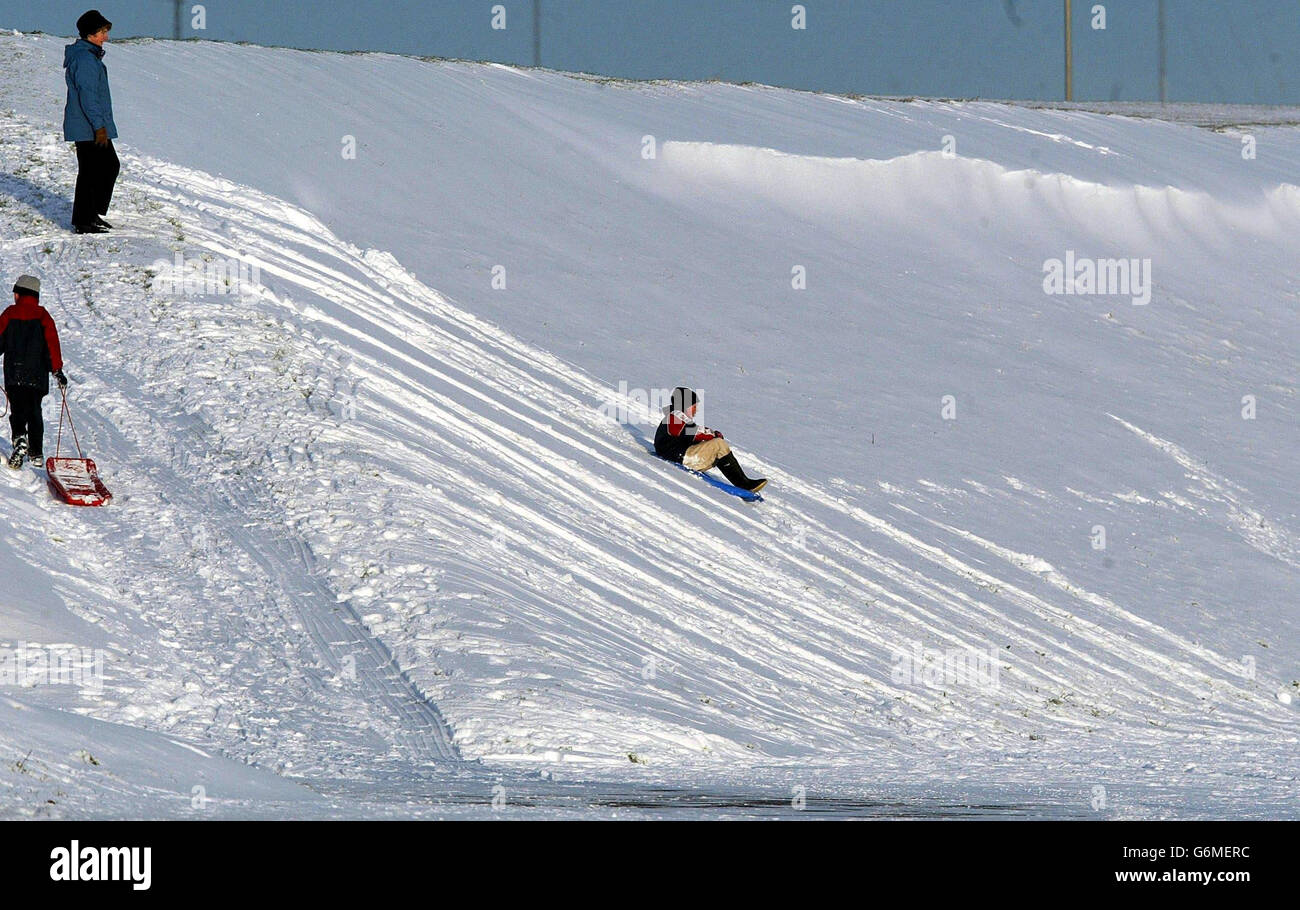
935	188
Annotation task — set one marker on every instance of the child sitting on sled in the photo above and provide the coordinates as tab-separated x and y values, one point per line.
680	439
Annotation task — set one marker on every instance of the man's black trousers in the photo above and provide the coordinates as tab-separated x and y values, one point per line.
97	168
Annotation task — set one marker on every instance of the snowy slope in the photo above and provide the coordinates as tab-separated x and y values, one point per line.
371	517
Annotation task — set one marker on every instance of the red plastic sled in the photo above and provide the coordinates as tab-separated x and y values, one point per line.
76	481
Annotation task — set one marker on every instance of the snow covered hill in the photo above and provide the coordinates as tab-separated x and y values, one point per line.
378	544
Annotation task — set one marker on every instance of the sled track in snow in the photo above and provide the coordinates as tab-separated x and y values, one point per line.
341	638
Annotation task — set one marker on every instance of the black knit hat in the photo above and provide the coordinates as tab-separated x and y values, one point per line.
91	22
684	398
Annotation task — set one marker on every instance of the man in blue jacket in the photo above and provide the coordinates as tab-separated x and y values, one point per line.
88	121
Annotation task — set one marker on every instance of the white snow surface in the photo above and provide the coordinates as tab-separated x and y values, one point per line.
376	549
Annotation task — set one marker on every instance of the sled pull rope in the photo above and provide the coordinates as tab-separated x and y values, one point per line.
58	442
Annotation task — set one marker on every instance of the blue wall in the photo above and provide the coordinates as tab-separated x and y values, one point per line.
1241	51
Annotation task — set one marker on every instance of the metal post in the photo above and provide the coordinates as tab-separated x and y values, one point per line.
1069	53
1162	66
176	20
537	32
